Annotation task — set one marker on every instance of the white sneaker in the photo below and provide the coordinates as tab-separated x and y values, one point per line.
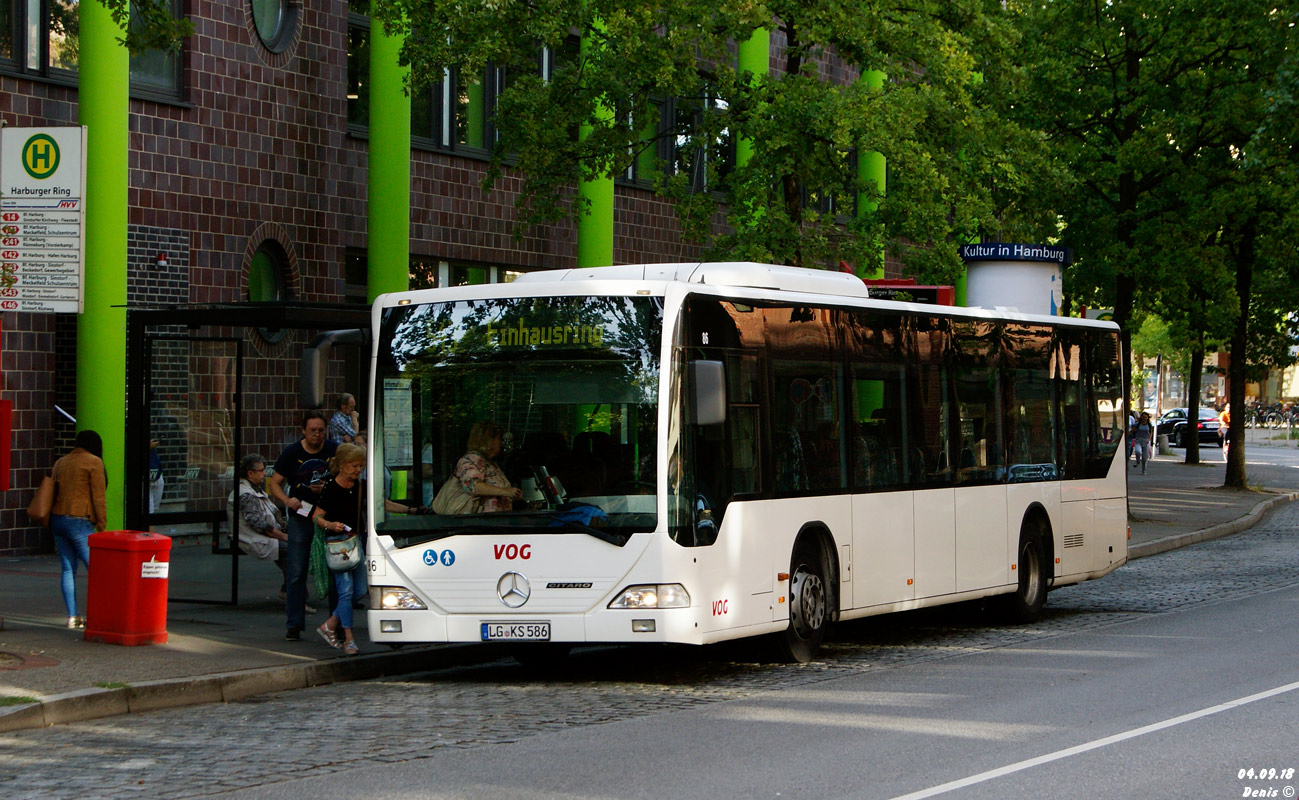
76	622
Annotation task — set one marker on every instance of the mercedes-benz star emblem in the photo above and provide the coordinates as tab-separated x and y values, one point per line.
513	589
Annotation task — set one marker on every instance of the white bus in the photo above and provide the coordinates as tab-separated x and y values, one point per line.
713	451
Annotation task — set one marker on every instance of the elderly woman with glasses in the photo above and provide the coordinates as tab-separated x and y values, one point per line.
254	516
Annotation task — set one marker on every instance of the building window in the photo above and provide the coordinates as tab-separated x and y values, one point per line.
427	272
157	73
688	147
455	113
43	38
358	63
465	273
6	34
268	282
452	114
275	21
356	276
424	272
63	35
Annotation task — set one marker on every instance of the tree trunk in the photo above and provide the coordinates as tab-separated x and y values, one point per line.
1191	437
1125	288
1237	366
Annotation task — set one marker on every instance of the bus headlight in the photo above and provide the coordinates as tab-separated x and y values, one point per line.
396	598
657	595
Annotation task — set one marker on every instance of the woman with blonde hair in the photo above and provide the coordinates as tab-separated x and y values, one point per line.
338	514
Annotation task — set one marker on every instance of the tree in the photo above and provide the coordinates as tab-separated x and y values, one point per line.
1121	92
1250	216
657	82
1197	291
1259	234
146	24
1154	104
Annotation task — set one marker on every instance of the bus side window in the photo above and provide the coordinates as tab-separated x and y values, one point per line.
1067	367
978	389
930	412
1027	401
1104	402
743	421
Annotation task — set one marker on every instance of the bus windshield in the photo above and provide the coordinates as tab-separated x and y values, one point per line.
555	397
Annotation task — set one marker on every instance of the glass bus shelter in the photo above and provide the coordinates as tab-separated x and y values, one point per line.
209	384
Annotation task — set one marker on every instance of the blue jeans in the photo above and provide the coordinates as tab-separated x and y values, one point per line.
297	560
345	584
70	534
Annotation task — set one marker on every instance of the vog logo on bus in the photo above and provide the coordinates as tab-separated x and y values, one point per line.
446	558
721	607
509	552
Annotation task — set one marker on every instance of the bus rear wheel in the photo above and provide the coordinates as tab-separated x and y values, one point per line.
809	605
1025	605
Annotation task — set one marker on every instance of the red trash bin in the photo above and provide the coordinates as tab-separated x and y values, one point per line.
127	591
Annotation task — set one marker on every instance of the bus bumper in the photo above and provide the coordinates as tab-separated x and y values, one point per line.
650	625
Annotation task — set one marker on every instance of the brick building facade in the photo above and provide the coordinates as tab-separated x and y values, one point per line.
250	150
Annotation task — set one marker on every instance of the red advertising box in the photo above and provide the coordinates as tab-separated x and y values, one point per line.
127	598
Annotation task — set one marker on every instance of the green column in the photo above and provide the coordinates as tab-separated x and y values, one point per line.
871	168
754	58
595	227
388	257
104	90
963	279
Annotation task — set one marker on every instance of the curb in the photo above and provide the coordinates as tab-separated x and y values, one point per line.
226	687
1216	532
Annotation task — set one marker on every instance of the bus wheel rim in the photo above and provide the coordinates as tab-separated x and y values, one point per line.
807	602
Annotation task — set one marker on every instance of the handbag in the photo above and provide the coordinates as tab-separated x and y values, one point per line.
453	499
342	555
43	503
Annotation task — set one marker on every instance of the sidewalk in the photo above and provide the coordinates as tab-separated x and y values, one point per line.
221	653
1176	504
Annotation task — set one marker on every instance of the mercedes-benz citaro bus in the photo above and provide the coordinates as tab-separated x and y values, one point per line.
710	451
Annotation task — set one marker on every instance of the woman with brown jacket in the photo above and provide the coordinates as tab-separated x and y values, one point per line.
80	508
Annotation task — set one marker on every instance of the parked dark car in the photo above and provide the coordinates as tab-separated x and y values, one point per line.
1174	421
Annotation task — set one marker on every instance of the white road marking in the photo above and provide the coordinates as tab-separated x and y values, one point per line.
1096	744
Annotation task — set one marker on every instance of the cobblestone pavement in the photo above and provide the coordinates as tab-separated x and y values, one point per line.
212	749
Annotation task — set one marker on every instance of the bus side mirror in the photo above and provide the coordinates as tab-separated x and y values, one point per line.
315	363
708	392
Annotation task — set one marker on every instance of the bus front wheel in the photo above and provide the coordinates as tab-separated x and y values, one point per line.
809	606
1025	605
